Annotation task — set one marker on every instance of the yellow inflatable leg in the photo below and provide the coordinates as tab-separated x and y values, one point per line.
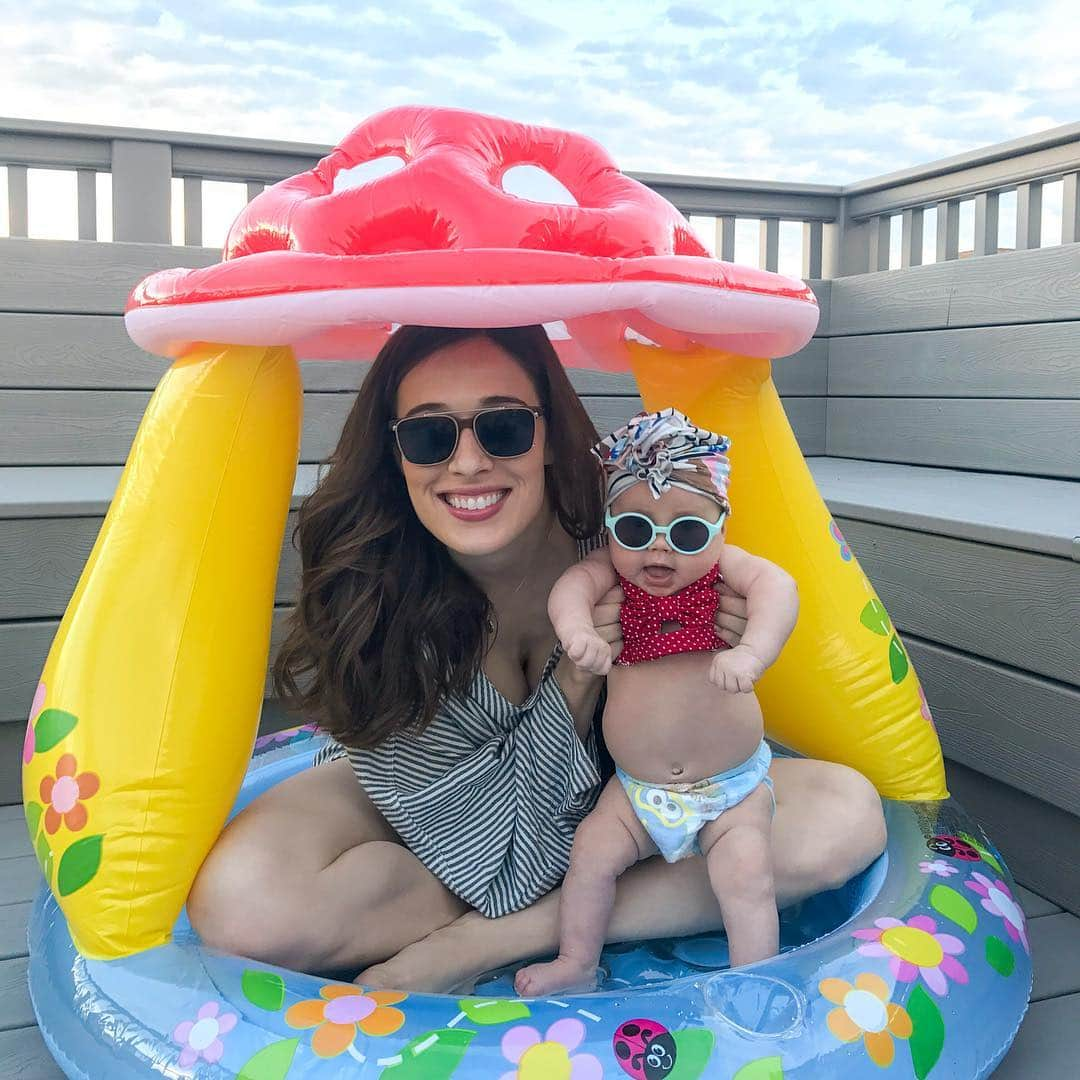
843	689
150	698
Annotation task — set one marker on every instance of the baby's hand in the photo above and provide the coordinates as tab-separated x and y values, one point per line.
736	670
589	651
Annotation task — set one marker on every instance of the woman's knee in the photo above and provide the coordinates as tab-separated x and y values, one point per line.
828	826
238	902
857	823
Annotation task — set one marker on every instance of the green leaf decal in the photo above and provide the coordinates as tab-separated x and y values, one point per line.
999	956
51	726
984	854
271	1062
770	1068
928	1036
44	856
431	1056
948	902
486	1011
264	989
875	618
79	864
33	819
693	1048
898	661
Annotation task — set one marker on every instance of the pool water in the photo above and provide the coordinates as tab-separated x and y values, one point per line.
653	964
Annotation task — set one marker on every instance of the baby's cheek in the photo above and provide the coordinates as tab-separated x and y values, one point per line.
627	563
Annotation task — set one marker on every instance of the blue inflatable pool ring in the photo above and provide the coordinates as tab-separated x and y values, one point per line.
920	963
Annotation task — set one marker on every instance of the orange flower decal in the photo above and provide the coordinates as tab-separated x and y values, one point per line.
63	795
344	1010
865	1009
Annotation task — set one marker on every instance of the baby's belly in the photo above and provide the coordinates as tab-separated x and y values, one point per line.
664	722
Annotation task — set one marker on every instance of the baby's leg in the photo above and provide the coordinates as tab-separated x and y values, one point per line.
738	849
606	843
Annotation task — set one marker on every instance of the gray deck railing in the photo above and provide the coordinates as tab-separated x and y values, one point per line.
866	226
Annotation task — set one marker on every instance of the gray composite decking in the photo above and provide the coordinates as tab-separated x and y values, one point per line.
1048	1045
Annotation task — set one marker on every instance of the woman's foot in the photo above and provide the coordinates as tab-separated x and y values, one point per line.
562	973
446	960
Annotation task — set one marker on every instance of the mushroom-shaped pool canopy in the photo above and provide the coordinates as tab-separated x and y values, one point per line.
328	266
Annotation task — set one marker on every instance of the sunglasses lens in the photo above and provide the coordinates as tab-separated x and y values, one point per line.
505	432
427	440
689	537
634	531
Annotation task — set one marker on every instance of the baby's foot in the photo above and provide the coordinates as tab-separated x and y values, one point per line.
538	980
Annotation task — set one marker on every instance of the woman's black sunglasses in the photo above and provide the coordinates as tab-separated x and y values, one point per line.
504	431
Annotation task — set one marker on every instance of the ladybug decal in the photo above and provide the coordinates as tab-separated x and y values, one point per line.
954	847
644	1049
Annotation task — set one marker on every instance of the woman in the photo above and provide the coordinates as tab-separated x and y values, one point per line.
462	487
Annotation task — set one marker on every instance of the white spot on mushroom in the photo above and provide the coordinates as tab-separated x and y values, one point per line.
367	171
537	185
557	331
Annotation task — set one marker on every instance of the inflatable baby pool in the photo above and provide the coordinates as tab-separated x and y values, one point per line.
141	731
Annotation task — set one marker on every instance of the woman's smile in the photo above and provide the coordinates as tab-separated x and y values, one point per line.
474	504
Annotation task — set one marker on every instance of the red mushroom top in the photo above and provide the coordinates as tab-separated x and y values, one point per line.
329	268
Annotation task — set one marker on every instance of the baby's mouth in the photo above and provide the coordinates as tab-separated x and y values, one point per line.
658	574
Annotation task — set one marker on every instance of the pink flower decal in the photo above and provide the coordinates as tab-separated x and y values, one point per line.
63	795
924	705
35	708
541	1059
915	948
939	868
284	736
838	536
201	1037
999	901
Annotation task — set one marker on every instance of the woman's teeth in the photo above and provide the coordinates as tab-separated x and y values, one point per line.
475	502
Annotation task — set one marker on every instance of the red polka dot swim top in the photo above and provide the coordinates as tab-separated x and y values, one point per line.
693	608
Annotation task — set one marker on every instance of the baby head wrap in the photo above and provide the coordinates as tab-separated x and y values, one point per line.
653	448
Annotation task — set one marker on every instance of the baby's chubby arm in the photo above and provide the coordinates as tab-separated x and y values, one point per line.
772	607
570	607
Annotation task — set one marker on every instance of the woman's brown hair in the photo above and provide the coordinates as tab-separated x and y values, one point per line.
387	625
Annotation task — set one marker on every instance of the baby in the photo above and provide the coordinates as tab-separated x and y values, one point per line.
681	721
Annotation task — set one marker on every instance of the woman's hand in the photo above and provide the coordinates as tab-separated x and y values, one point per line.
606	620
730	614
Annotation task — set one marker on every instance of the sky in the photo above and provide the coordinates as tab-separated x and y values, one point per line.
831	92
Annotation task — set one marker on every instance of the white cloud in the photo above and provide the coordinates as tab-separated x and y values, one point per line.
750	88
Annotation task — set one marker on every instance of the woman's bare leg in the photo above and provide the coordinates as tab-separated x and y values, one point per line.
312	877
828	826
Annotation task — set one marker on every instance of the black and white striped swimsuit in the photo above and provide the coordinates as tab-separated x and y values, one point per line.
489	795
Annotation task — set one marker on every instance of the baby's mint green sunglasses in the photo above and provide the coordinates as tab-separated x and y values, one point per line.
686	535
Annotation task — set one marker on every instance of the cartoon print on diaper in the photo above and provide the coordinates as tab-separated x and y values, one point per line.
668	807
